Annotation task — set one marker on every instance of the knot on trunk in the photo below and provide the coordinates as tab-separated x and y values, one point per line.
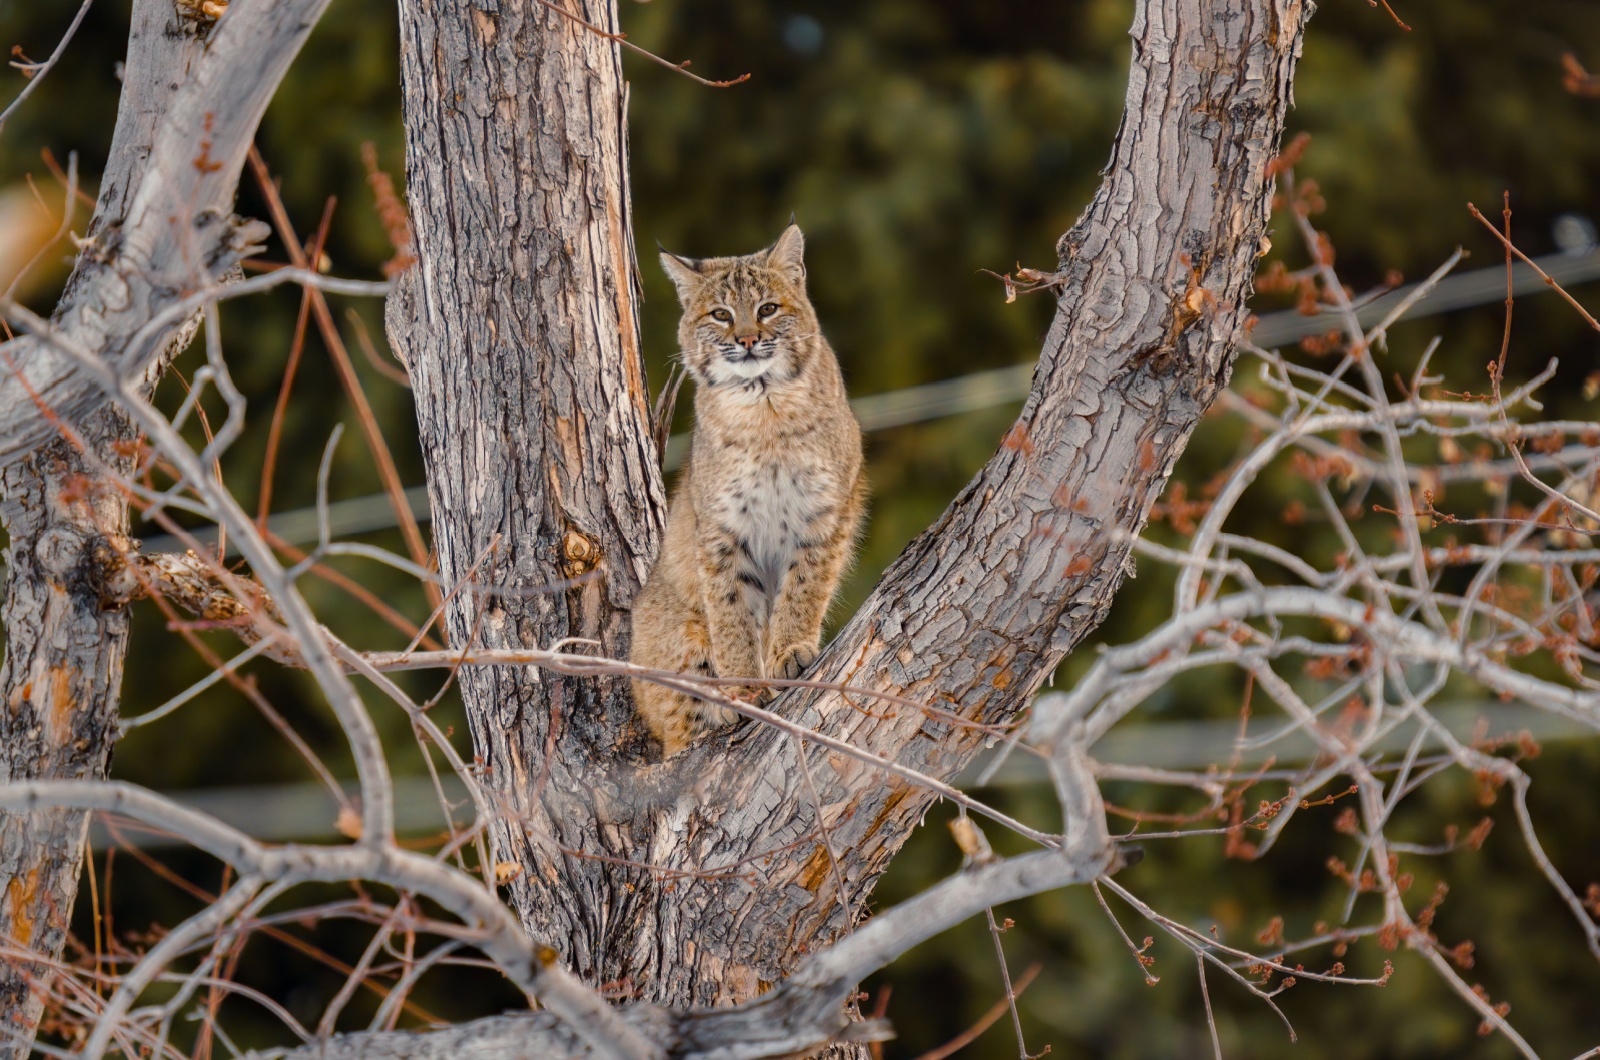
580	554
88	566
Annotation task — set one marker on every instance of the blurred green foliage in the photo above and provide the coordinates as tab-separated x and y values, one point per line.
919	142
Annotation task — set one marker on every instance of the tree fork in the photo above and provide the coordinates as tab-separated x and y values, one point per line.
1153	279
518	327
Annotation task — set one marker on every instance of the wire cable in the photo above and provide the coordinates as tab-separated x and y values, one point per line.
988	389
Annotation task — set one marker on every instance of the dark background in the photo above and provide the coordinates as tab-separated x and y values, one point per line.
919	142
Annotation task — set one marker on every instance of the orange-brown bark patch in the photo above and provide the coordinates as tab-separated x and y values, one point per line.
21	893
900	793
1017	439
815	869
60	705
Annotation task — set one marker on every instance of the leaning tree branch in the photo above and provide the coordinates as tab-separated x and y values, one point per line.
174	234
192	97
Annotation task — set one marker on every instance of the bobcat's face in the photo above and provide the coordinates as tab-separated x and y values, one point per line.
747	323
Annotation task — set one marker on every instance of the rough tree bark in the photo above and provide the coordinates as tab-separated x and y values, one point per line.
518	328
165	199
177	231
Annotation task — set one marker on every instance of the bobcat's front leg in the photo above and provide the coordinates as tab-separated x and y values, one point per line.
726	590
802	604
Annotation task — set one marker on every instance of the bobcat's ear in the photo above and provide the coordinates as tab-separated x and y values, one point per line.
685	273
788	253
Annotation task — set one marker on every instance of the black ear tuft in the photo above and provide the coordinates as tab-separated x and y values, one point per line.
685	273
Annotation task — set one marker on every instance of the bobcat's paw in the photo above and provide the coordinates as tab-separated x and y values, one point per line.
795	660
716	716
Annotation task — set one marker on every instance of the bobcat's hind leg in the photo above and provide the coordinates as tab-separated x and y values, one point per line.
677	718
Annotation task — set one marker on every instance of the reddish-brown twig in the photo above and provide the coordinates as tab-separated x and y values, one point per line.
62	178
1562	291
366	596
987	1020
370	352
622	39
35	71
1392	14
269	462
316	953
347	376
1505	340
1577	80
216	463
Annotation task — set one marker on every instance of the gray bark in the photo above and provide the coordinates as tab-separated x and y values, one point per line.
174	231
518	327
60	682
799	1016
518	330
64	511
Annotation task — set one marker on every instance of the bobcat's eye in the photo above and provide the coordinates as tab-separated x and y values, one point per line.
721	315
768	309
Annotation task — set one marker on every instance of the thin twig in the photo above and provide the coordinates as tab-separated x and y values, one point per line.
1562	291
68	209
370	428
987	1020
280	409
1392	14
1211	1017
1012	991
36	72
825	835
622	39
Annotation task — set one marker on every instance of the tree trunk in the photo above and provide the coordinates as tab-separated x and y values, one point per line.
64	508
518	327
67	521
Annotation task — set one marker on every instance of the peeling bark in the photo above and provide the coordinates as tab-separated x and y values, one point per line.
518	329
61	683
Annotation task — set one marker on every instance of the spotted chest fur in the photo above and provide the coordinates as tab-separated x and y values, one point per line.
775	514
764	518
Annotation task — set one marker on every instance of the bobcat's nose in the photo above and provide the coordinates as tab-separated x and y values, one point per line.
747	341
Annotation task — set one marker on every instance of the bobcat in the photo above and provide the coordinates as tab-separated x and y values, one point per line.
765	514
